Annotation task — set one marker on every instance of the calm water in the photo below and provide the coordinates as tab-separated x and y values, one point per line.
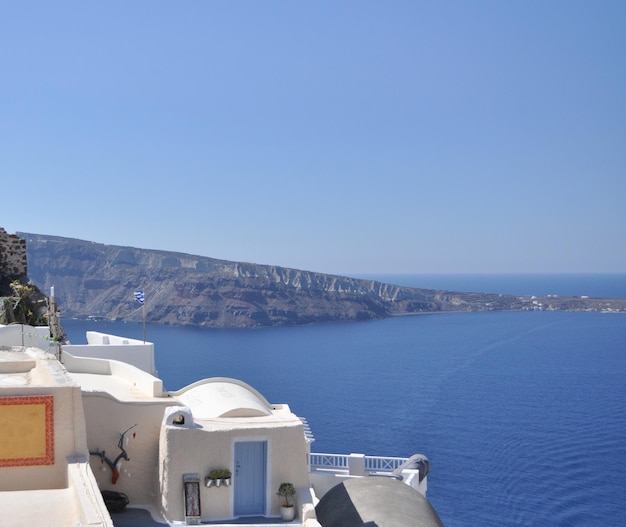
600	285
523	415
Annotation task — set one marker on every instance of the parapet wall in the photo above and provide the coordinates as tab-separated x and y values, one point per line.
12	255
26	336
103	346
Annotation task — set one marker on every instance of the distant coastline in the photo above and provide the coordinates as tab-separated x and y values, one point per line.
597	285
94	280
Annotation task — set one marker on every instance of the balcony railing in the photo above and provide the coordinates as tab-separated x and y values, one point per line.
325	468
328	461
383	464
357	464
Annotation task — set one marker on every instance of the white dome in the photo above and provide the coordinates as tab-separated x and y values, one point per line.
224	398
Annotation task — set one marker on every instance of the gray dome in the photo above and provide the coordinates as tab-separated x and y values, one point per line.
375	501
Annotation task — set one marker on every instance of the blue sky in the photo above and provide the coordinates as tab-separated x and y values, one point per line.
340	137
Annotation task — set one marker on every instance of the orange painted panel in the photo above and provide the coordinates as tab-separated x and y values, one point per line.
26	431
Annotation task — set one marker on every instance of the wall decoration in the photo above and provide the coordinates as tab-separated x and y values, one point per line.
191	488
115	465
26	431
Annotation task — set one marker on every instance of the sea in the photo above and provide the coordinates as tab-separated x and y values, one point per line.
521	414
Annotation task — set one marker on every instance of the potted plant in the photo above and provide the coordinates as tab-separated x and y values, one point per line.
226	476
215	477
287	510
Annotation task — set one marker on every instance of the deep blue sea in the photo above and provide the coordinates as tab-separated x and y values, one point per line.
522	414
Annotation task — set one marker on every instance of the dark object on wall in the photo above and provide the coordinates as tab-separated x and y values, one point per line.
115	501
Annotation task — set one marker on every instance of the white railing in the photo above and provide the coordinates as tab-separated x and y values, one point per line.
344	462
383	464
326	468
328	461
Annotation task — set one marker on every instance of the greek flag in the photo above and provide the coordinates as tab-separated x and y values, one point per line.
139	297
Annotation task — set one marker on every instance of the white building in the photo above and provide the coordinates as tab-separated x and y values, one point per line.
100	420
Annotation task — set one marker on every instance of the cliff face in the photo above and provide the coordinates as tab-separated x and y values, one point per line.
12	255
19	301
96	280
92	279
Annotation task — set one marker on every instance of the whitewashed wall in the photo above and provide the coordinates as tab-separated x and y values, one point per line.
103	346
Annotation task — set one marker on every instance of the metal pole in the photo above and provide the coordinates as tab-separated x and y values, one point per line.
144	321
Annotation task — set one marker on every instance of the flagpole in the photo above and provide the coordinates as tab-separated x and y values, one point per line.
141	298
144	322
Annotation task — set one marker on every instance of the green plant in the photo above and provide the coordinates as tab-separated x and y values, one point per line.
25	306
220	473
286	490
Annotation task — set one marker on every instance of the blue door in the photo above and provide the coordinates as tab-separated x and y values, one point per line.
250	478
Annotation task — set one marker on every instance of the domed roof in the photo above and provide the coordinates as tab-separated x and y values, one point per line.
381	501
221	397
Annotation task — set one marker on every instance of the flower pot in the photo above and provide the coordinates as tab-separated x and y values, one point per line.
218	482
287	512
227	482
209	482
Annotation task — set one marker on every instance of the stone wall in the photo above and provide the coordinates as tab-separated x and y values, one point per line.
12	255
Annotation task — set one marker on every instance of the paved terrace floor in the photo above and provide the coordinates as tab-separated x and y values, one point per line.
57	507
135	517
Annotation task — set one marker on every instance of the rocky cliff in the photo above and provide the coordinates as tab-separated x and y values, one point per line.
96	280
20	302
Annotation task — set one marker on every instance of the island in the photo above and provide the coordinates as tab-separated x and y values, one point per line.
98	281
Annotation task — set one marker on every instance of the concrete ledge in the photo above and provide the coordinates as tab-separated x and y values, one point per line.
26	336
91	507
112	347
306	501
80	503
139	379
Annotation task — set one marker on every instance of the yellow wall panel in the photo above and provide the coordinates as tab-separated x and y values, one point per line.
26	431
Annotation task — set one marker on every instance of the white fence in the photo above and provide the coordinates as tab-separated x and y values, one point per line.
355	464
327	469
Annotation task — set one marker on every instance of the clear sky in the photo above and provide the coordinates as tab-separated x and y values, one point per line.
339	137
